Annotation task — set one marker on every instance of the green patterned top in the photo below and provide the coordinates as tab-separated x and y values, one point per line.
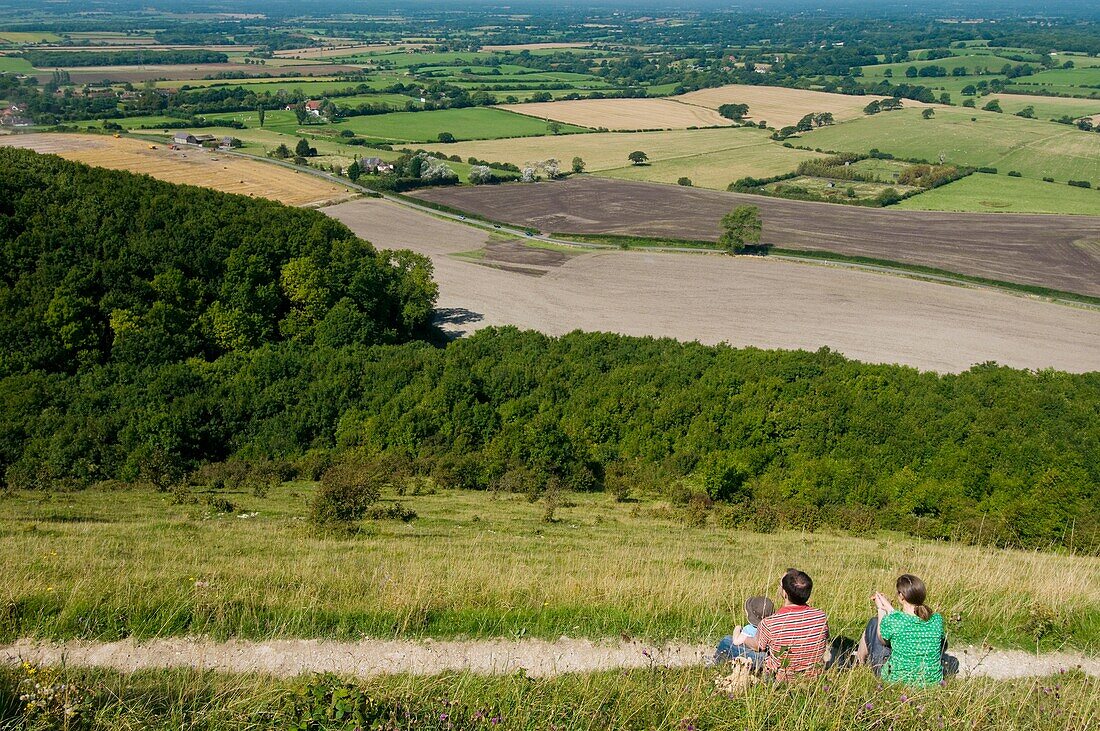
916	648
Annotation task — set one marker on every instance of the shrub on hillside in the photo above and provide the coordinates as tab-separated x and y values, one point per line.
346	492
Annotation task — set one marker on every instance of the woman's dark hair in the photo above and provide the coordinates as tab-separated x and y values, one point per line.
913	590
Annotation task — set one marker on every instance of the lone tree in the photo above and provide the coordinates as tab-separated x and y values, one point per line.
578	165
740	228
262	114
637	157
554	128
354	170
928	113
446	137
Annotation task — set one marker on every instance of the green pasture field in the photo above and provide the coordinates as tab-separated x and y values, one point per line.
975	65
20	37
1036	149
310	86
654	698
1079	60
393	101
1060	89
404	60
103	564
1000	193
1089	76
953	85
15	65
1046	107
469	123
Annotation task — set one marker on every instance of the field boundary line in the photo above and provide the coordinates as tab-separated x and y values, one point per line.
535	658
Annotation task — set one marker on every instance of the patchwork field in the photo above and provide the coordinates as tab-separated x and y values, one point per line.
780	107
963	136
191	166
1036	250
468	123
624	114
179	73
712	158
872	317
992	193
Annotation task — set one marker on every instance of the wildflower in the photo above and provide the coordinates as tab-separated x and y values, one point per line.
494	720
904	698
868	706
443	716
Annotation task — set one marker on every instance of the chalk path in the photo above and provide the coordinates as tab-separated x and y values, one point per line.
538	658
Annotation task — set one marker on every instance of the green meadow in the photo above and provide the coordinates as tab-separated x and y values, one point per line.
1035	149
1000	193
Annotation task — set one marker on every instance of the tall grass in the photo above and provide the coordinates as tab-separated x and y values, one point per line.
105	565
681	700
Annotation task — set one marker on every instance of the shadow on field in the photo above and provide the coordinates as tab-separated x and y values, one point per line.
448	321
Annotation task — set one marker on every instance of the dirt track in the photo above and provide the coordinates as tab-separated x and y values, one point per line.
745	301
1045	250
379	657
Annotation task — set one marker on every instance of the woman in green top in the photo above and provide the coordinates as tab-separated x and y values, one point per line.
906	645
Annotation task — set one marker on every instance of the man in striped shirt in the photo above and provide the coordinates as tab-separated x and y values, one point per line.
796	636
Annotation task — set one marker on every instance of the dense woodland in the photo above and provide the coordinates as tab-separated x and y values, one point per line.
151	328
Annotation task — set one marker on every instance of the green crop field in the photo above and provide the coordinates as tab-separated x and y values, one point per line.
133	122
19	37
1033	148
993	193
471	123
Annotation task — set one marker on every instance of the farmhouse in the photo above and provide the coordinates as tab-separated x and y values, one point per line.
186	138
12	116
375	165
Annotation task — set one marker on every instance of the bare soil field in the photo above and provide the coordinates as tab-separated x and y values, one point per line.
191	166
368	658
179	72
779	106
865	315
1045	250
623	114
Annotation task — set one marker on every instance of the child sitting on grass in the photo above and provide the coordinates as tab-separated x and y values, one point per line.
733	646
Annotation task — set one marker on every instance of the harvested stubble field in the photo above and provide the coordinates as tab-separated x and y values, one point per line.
190	166
869	316
623	114
712	158
1057	252
779	106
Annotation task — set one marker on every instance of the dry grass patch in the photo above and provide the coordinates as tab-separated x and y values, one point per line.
779	106
624	114
191	166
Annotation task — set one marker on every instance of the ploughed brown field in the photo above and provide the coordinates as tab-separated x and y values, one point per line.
1060	252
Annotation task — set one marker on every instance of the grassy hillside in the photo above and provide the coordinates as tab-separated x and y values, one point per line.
125	562
476	123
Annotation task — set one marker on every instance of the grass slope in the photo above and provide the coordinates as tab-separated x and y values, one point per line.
108	564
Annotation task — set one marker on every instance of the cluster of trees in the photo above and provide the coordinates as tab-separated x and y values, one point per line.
103	267
885	105
48	59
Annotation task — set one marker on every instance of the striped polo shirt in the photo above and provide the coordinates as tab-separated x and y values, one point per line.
795	638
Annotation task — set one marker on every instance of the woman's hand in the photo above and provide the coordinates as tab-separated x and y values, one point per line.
882	603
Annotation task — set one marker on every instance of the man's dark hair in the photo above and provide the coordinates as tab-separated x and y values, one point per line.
798	586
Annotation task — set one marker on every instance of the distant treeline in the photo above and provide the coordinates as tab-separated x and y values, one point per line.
50	59
152	328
